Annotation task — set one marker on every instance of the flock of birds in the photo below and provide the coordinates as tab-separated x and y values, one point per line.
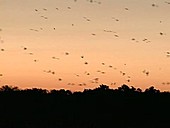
95	80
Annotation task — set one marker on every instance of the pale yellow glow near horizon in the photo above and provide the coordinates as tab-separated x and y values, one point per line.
84	29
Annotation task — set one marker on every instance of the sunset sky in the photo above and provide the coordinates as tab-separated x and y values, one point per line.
71	44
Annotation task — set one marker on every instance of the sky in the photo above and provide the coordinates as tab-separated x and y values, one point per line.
78	44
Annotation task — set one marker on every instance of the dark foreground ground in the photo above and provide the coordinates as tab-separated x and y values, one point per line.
125	107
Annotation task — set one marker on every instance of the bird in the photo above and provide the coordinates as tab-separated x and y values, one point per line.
114	83
167	2
128	80
161	33
55	58
77	75
35	30
115	19
163	83
67	53
80	84
110	66
126	9
53	72
87	19
88	74
44	17
145	39
146	72
44	9
2	49
71	84
107	30
103	72
85	63
91	1
168	83
103	63
123	73
116	35
25	48
96	79
59	79
35	60
154	5
30	53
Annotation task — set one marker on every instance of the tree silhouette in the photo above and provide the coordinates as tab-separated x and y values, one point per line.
7	88
124	107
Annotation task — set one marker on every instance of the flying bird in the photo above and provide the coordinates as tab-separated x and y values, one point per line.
115	19
55	58
35	60
44	9
59	79
167	2
110	66
67	53
161	33
126	9
2	49
86	63
103	63
24	48
154	5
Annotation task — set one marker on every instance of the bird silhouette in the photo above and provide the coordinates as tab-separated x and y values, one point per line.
44	9
126	9
59	79
67	53
167	2
85	63
2	49
155	5
115	19
55	58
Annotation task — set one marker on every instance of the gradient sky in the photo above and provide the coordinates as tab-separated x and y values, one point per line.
132	36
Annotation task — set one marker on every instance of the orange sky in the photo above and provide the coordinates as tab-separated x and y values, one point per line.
132	36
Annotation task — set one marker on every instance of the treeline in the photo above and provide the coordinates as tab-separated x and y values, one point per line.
102	107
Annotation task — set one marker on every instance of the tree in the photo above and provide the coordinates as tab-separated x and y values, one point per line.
8	88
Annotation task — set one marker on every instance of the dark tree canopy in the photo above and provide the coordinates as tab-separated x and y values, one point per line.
102	107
